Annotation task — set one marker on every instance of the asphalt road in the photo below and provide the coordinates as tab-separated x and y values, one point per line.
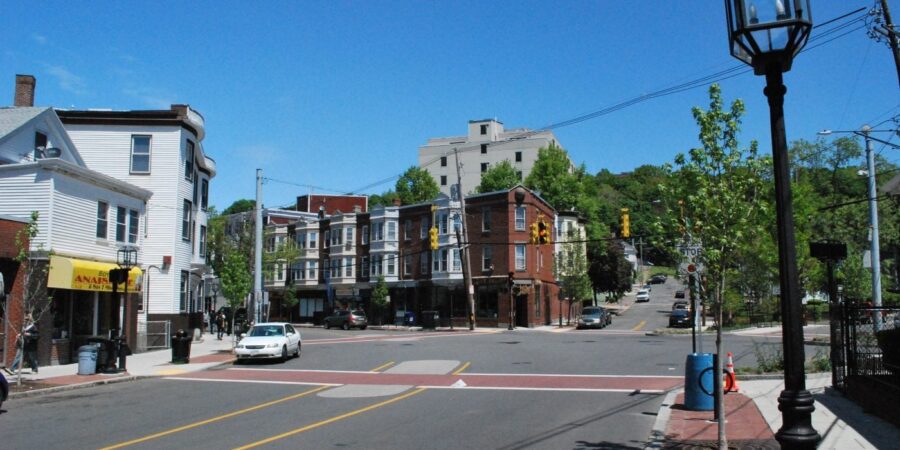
398	390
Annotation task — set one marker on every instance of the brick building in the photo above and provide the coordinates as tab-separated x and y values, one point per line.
12	286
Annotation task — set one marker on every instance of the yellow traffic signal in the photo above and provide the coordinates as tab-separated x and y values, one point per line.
433	237
534	233
543	232
626	224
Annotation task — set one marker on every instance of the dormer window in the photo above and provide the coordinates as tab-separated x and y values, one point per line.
40	144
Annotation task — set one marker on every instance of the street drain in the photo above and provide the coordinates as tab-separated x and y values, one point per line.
510	342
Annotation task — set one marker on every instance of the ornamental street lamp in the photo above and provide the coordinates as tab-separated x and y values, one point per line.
767	39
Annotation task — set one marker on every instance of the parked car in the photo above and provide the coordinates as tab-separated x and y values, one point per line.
679	318
347	319
643	295
679	293
4	390
658	279
594	317
679	304
276	340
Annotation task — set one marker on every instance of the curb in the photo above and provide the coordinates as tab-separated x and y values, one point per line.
657	436
69	387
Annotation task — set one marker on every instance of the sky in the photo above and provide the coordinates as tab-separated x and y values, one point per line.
337	96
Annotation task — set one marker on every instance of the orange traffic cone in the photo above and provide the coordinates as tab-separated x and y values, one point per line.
729	368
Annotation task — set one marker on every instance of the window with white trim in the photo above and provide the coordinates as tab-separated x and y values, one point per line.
312	239
407	230
203	241
365	234
102	219
487	257
133	225
140	154
121	226
391	263
485	219
520	218
457	264
407	265
186	210
189	161
520	257
349	235
391	230
348	267
312	268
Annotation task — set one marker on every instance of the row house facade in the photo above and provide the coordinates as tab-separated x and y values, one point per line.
344	254
83	218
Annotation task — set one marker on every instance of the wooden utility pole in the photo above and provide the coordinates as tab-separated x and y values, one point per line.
467	274
888	31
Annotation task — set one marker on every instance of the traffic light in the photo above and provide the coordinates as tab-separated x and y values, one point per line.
535	235
626	224
433	237
543	232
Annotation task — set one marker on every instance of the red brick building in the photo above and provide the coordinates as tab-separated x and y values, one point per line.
10	300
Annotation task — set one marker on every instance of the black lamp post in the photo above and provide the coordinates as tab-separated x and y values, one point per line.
767	39
126	258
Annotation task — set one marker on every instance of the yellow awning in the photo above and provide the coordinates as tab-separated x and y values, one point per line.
83	275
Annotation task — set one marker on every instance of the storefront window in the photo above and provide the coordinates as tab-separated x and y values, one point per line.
487	305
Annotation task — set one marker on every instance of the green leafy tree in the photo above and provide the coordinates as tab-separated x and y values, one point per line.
280	259
239	206
554	177
384	199
609	271
571	267
290	300
501	176
380	297
235	280
416	186
34	266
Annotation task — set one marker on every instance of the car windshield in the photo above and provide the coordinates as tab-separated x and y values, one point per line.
358	313
267	330
590	312
642	291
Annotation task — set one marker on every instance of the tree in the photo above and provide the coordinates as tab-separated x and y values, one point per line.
33	263
719	185
555	178
498	177
235	280
290	299
609	271
279	259
416	186
384	199
571	267
380	297
239	206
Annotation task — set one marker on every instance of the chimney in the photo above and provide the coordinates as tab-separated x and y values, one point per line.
397	202
24	90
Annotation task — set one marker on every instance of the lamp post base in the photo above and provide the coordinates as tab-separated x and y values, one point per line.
796	411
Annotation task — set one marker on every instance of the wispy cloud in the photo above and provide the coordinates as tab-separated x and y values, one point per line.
151	97
39	38
67	80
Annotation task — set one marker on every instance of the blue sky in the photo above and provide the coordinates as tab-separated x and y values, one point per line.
340	95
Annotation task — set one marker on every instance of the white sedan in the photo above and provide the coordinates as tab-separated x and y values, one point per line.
269	340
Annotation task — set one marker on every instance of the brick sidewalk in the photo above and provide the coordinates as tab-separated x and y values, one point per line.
745	428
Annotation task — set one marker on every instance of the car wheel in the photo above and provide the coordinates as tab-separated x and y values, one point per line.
363	327
284	353
327	325
346	325
297	354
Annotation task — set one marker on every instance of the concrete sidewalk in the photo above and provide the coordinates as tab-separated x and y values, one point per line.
752	418
205	353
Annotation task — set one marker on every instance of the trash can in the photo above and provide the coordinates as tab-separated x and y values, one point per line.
698	382
87	359
430	319
106	354
181	348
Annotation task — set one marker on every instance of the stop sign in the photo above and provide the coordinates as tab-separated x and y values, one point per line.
691	268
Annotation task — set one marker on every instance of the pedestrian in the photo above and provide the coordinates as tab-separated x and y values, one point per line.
212	319
18	358
220	325
30	343
206	323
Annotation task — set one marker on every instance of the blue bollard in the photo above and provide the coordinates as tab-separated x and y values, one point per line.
695	399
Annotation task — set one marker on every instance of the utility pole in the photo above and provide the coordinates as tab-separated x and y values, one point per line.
873	224
467	275
256	300
888	31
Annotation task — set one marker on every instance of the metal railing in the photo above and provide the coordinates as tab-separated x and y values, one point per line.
158	334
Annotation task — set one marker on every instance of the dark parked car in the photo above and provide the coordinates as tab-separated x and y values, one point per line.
594	317
347	319
679	293
680	318
658	279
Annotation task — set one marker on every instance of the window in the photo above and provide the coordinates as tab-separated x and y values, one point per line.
443	161
337	237
520	218
40	140
350	235
202	241
186	221
520	256
300	239
364	266
407	265
189	161
102	219
483	130
485	219
140	154
442	223
204	194
348	267
311	267
279	271
518	156
327	236
457	222
312	239
132	226
183	298
443	180
483	149
378	231
391	261
407	230
376	265
392	231
365	234
440	260
487	257
484	167
457	264
423	263
298	271
519	175
120	224
423	230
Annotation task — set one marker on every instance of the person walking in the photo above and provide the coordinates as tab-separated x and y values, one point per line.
207	325
31	344
220	325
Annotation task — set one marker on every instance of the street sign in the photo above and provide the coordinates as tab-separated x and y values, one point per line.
690	268
690	251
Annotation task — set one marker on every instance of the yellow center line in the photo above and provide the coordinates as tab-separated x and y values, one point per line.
639	325
331	420
464	367
214	419
383	366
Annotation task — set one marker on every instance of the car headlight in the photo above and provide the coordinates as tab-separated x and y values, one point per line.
274	345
